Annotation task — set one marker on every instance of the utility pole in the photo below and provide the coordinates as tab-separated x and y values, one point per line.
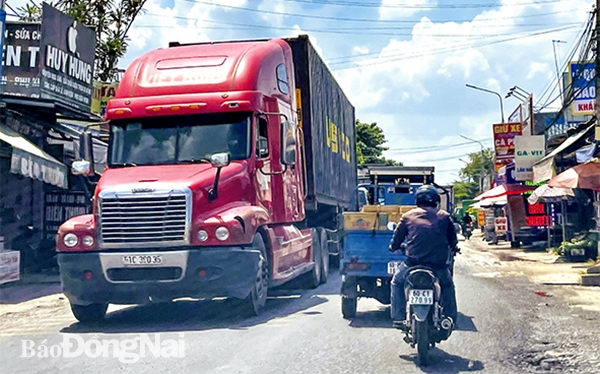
597	59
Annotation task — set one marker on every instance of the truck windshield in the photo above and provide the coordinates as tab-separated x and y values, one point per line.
179	139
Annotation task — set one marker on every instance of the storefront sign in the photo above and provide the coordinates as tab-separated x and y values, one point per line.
21	71
31	166
501	225
528	150
102	93
480	218
504	140
59	207
9	266
536	214
581	77
67	55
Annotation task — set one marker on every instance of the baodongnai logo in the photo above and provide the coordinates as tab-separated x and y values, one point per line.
127	351
68	62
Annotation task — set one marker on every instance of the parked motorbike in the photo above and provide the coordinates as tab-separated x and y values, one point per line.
427	324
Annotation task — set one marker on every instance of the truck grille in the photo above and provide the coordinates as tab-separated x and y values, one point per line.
143	220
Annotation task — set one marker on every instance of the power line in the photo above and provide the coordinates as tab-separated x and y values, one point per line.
397	57
420	6
341	18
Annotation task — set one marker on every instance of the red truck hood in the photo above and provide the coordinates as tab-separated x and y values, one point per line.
188	175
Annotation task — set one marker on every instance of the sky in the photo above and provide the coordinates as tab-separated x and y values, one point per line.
403	64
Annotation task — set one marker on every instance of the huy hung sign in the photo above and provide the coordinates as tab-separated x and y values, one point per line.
528	150
67	59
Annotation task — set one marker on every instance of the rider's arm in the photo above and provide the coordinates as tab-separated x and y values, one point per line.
451	234
399	235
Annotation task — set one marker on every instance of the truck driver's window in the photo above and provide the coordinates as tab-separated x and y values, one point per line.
262	139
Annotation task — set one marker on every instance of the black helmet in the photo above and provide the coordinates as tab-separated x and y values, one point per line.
428	196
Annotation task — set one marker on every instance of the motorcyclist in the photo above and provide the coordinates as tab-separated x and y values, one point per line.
430	239
466	221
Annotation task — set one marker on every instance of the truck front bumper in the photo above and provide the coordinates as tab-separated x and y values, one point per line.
101	277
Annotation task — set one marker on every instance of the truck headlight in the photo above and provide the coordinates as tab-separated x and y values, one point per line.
222	233
202	235
88	241
70	240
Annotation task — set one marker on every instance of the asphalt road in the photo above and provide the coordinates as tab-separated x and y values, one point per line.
504	327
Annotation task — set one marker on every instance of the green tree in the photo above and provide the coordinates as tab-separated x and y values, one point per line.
111	21
370	142
465	190
480	167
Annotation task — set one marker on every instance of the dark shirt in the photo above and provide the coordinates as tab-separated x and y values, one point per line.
429	234
467	219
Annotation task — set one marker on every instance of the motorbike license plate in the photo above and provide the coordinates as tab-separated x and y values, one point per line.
392	266
420	297
142	260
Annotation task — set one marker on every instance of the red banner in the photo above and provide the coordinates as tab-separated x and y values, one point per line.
504	139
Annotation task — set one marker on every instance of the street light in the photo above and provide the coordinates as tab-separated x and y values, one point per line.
518	93
492	92
481	173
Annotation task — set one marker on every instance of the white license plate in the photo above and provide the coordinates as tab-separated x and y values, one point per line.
393	266
420	297
142	260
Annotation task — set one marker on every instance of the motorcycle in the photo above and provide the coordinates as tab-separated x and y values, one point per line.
468	231
427	325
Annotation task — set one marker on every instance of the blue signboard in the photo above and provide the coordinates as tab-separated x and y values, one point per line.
581	76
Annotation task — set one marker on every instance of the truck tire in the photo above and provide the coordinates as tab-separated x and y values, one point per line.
89	313
313	278
255	302
349	305
324	256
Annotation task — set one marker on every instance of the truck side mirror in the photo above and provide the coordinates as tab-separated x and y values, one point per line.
288	143
219	160
85	164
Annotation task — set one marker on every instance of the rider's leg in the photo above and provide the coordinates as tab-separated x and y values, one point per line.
448	294
398	298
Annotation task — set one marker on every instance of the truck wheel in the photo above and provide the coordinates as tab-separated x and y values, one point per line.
89	313
255	302
314	276
324	256
349	306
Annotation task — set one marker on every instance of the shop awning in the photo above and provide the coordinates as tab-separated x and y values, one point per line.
544	168
503	190
29	160
490	202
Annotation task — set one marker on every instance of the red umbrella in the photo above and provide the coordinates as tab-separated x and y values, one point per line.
580	176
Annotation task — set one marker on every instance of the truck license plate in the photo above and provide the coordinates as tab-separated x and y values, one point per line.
420	297
392	266
142	259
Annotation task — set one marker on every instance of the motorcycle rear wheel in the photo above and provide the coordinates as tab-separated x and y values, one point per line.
422	343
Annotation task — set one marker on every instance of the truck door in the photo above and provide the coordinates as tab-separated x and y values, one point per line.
263	180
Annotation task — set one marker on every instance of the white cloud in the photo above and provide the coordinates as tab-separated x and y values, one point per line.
360	50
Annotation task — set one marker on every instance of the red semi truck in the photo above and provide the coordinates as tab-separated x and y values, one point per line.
229	165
